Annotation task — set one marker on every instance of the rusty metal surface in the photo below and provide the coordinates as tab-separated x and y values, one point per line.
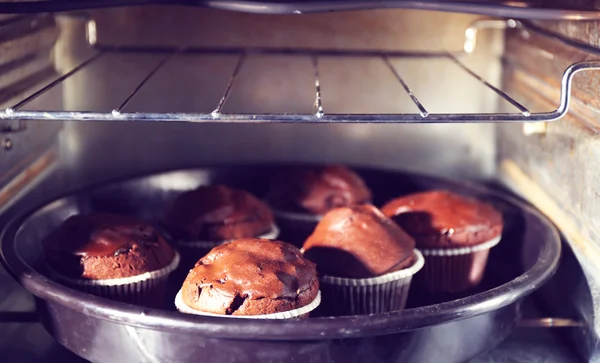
25	44
542	65
25	62
562	161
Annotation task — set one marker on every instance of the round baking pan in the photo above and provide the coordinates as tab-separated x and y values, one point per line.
102	330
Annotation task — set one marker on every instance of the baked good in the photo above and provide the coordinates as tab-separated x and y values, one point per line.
102	246
366	262
218	213
440	219
454	233
358	242
317	189
251	277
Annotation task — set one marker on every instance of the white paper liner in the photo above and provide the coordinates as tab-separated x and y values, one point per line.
389	277
290	314
380	294
461	250
147	288
165	271
273	233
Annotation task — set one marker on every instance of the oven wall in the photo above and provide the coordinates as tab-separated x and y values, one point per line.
25	64
97	151
554	165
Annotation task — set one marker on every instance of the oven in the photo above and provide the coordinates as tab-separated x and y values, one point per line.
123	102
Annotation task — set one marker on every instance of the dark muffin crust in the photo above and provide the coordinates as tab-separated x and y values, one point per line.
251	276
218	213
317	189
440	219
358	242
103	246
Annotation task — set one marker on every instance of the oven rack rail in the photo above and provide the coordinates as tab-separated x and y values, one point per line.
320	115
522	9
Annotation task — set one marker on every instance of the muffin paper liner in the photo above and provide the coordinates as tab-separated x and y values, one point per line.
295	226
460	250
299	313
144	289
454	270
380	294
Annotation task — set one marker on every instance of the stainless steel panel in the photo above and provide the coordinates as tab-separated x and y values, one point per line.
100	151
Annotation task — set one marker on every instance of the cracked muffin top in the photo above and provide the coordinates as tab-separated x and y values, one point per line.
251	276
218	213
103	246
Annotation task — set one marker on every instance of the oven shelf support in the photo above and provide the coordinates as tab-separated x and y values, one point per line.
521	114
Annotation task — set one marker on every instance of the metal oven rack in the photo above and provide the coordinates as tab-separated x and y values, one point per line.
521	9
320	115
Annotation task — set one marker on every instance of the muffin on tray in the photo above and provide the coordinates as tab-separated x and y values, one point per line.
208	216
300	196
366	262
256	278
454	233
113	256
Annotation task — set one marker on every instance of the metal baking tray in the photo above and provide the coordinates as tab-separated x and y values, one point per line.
102	330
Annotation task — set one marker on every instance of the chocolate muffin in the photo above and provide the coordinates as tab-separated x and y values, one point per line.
300	196
440	219
358	242
453	232
365	260
102	246
218	213
251	277
316	190
111	255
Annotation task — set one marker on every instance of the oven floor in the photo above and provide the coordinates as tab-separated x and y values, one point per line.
29	342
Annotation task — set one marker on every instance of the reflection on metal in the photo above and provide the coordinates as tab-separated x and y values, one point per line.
160	64
11	127
91	33
550	323
422	111
33	171
471	32
318	100
534	128
236	70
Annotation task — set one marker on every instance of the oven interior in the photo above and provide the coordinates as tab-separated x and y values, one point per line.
498	93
